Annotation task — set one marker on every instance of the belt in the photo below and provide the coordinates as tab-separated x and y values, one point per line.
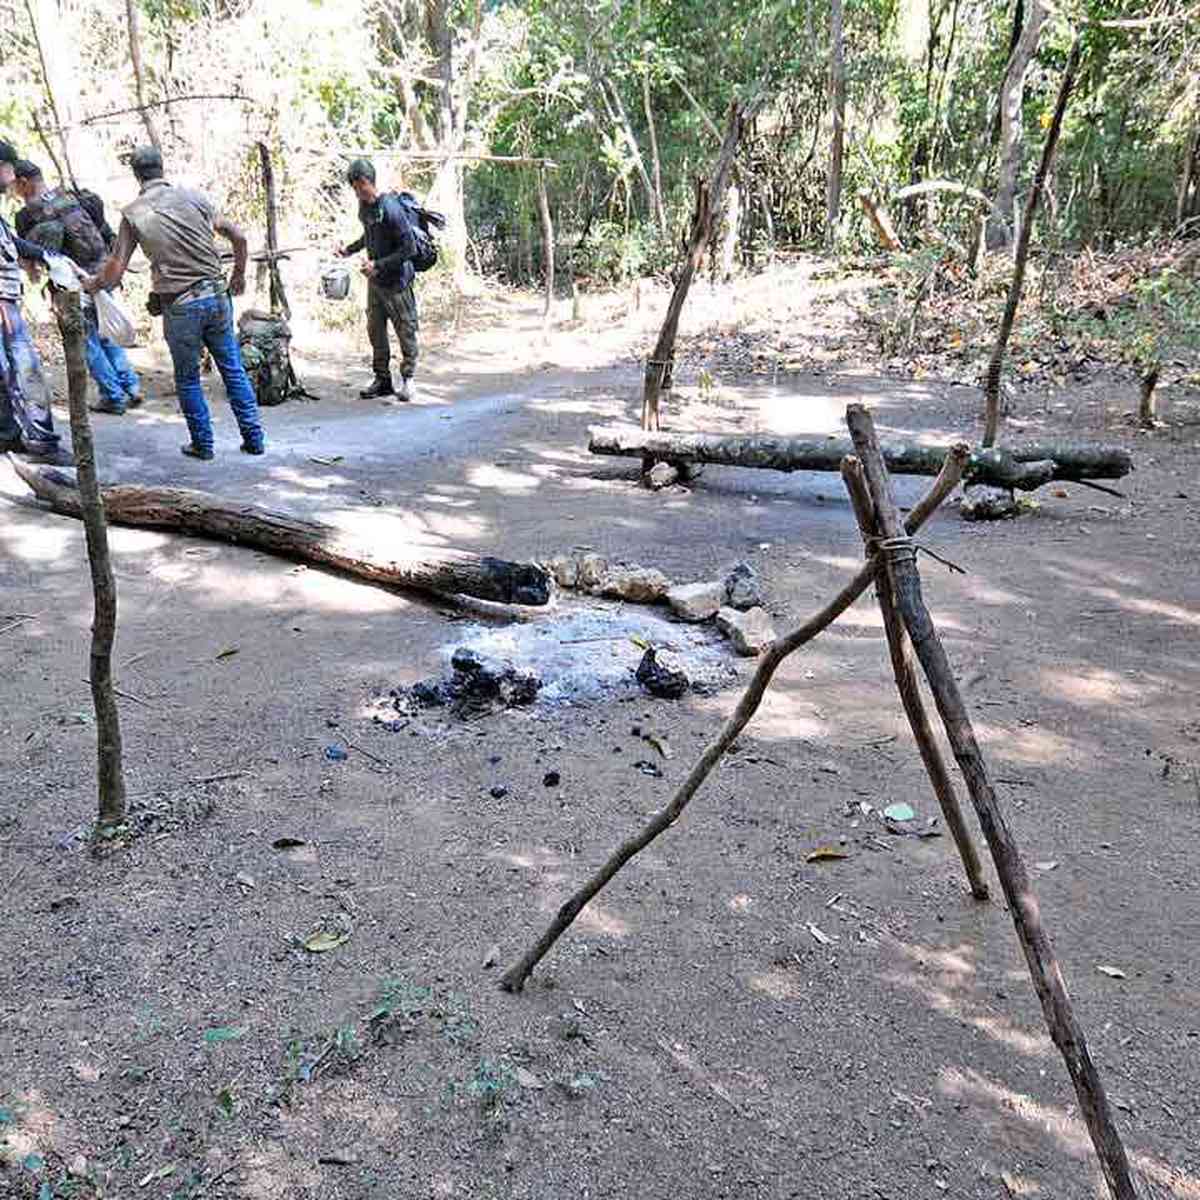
204	290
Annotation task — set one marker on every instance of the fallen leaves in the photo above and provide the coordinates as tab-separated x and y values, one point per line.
1112	972
826	854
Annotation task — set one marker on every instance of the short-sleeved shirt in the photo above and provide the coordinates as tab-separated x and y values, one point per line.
174	227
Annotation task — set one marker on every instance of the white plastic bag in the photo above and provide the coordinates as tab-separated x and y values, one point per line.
114	322
62	271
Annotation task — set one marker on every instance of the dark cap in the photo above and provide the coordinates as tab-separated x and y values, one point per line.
361	168
7	153
24	169
145	158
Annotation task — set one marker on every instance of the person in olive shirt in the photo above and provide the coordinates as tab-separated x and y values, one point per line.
174	226
390	245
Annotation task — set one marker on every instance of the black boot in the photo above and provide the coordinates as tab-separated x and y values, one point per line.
381	387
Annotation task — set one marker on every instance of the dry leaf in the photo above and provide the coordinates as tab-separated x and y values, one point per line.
1046	866
287	843
228	653
660	744
324	940
1112	972
527	1079
826	854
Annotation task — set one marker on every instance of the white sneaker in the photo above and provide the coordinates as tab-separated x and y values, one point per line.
406	391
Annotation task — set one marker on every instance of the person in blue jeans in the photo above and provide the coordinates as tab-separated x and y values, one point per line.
58	220
176	229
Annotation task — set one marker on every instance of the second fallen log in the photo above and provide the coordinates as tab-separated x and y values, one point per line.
397	564
1023	465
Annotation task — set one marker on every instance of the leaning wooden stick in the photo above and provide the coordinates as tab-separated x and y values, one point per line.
513	980
898	552
900	650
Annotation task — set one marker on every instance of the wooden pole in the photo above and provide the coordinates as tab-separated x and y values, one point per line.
279	301
110	772
709	195
900	651
991	393
514	978
899	554
547	247
388	563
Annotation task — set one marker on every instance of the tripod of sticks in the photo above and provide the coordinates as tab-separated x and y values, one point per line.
912	638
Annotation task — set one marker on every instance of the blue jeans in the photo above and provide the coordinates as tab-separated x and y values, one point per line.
115	378
189	327
24	396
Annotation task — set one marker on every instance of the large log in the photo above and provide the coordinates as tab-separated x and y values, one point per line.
1023	465
404	566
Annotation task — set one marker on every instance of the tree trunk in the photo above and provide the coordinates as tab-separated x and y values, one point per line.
1025	465
406	566
61	88
620	119
837	105
660	210
709	195
547	247
1147	414
139	80
1187	201
1065	1031
996	362
1012	95
882	223
110	773
279	301
515	977
729	238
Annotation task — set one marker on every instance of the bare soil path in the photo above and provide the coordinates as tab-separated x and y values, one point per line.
163	1033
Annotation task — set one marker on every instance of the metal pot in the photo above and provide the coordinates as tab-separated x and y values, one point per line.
335	282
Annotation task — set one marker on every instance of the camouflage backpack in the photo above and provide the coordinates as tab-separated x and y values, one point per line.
265	341
64	226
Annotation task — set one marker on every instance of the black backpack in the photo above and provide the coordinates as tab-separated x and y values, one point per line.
64	226
94	207
423	221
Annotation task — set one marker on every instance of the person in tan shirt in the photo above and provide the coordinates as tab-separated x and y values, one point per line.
175	228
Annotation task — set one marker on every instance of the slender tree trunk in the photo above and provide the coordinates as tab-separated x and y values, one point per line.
1065	1030
620	119
44	20
660	210
139	79
1187	202
837	106
279	302
709	194
992	382
1147	407
547	246
1001	226
110	772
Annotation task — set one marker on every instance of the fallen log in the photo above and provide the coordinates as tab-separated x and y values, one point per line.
1025	466
406	566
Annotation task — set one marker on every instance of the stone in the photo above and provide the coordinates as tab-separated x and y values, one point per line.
750	632
660	476
475	687
696	601
662	675
565	570
592	569
742	589
639	585
983	502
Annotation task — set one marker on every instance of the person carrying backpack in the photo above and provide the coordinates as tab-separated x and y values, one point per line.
26	423
59	220
397	248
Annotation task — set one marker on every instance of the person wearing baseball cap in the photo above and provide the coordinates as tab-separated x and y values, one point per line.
26	424
175	228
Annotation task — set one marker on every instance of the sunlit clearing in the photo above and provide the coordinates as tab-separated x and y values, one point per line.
595	918
788	412
777	985
389	533
1033	747
1091	687
487	475
1149	608
39	542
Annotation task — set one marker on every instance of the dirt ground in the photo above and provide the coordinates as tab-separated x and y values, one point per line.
163	1031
